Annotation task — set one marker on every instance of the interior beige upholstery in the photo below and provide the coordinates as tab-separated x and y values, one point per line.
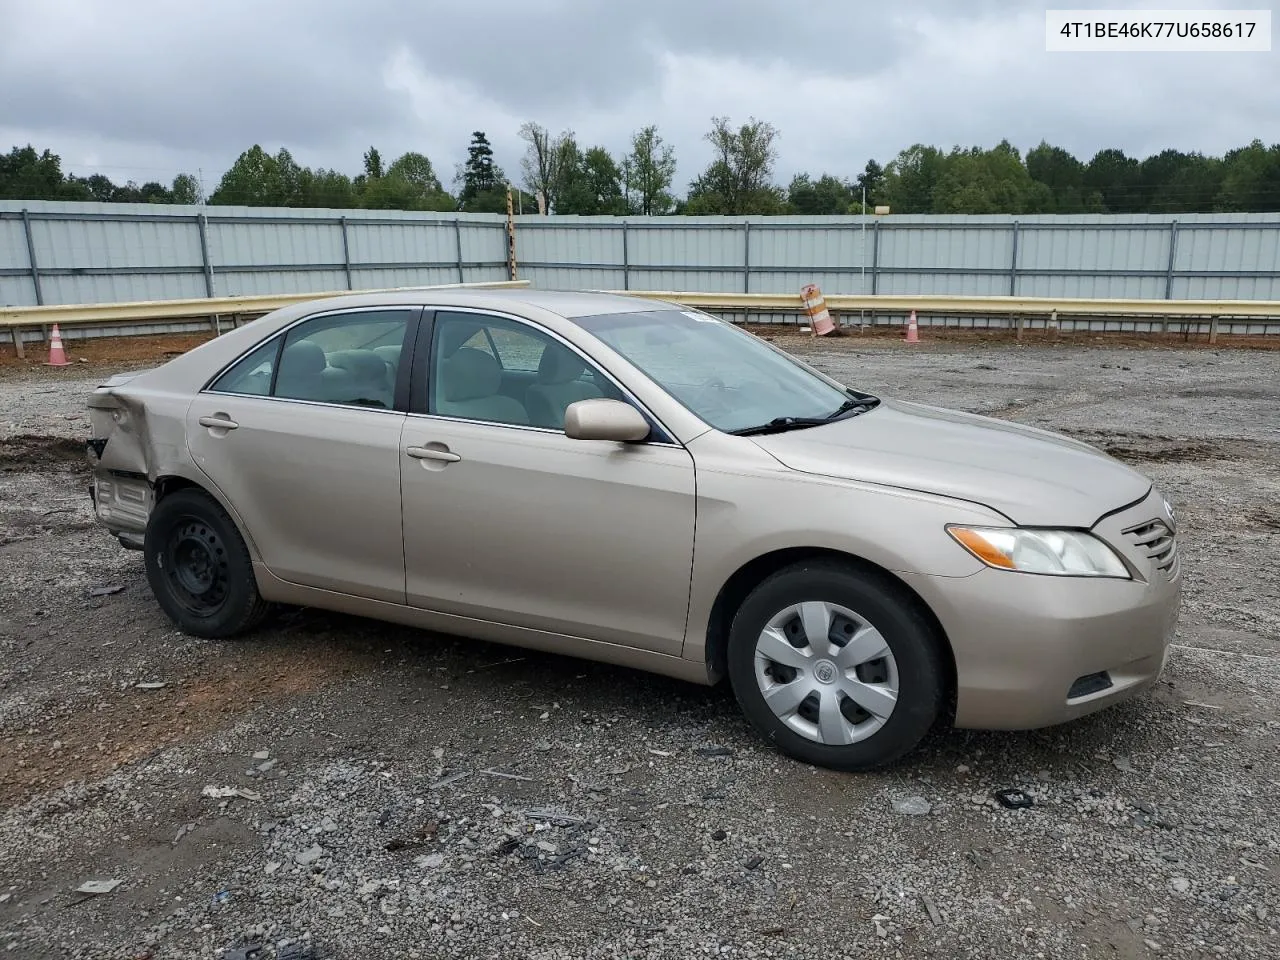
557	386
469	381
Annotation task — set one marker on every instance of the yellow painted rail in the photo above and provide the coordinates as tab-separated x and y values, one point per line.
160	311
988	306
144	313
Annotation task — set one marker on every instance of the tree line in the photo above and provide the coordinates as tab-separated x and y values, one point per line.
559	175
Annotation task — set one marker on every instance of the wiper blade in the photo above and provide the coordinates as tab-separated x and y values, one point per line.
780	425
853	403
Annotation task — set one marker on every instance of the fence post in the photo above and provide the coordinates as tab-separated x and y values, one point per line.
346	252
457	239
746	256
626	259
1013	262
31	258
203	223
1168	275
875	256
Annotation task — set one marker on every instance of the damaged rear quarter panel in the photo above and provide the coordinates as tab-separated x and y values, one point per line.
145	433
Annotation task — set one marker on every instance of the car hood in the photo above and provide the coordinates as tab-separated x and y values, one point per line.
1032	476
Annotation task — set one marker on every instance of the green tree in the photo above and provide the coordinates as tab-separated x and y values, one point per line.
186	189
825	196
326	188
604	180
261	180
870	184
570	188
590	182
27	175
1196	187
1114	177
910	179
416	170
978	181
541	164
479	174
647	172
100	188
740	178
1251	180
372	164
1063	174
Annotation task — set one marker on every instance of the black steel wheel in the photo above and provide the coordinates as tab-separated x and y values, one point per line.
199	567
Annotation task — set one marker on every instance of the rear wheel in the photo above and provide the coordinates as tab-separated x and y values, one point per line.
836	666
199	567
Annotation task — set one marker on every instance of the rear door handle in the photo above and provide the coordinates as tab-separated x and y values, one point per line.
218	422
432	453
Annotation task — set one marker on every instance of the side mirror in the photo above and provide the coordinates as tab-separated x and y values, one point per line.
604	420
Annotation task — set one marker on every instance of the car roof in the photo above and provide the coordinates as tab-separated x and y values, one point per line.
566	303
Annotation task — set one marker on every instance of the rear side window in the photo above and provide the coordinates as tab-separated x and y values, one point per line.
345	358
253	374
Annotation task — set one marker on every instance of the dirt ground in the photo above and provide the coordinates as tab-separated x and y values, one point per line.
405	794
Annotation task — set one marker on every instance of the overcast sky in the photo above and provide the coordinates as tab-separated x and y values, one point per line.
145	89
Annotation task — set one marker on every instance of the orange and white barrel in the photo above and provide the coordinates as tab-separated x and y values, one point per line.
815	308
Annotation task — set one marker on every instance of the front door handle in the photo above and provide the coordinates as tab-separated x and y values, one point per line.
219	421
432	453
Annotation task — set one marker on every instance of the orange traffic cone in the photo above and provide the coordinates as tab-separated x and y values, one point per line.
57	355
913	329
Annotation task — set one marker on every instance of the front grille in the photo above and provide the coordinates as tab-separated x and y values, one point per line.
1158	543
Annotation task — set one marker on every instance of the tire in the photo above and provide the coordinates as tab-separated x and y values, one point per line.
199	568
770	674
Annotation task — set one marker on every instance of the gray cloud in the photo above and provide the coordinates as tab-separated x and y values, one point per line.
146	88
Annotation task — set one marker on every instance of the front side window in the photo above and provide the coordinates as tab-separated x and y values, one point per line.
345	358
494	369
726	376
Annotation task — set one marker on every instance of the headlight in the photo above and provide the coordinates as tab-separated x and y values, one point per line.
1063	553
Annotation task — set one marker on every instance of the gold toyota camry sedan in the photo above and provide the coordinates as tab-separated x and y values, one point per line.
632	481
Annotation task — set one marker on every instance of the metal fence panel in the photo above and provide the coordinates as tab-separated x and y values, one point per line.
118	287
87	252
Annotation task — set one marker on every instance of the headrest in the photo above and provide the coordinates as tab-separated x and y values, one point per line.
303	357
559	365
391	354
470	374
362	363
454	333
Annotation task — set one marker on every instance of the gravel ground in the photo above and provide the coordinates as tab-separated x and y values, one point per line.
395	793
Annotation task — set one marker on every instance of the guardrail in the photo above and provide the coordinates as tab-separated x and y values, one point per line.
145	312
954	305
141	314
1052	310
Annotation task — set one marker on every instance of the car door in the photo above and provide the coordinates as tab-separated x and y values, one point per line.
302	436
506	519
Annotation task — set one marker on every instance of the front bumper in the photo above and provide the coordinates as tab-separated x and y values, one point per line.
1022	642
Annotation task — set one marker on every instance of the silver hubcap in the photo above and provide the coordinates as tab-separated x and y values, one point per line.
826	673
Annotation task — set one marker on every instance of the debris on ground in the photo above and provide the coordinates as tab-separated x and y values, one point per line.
1014	799
98	887
912	806
223	793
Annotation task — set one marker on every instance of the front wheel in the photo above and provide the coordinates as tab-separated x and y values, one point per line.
199	567
836	666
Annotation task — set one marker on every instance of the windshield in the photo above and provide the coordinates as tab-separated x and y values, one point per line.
726	376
